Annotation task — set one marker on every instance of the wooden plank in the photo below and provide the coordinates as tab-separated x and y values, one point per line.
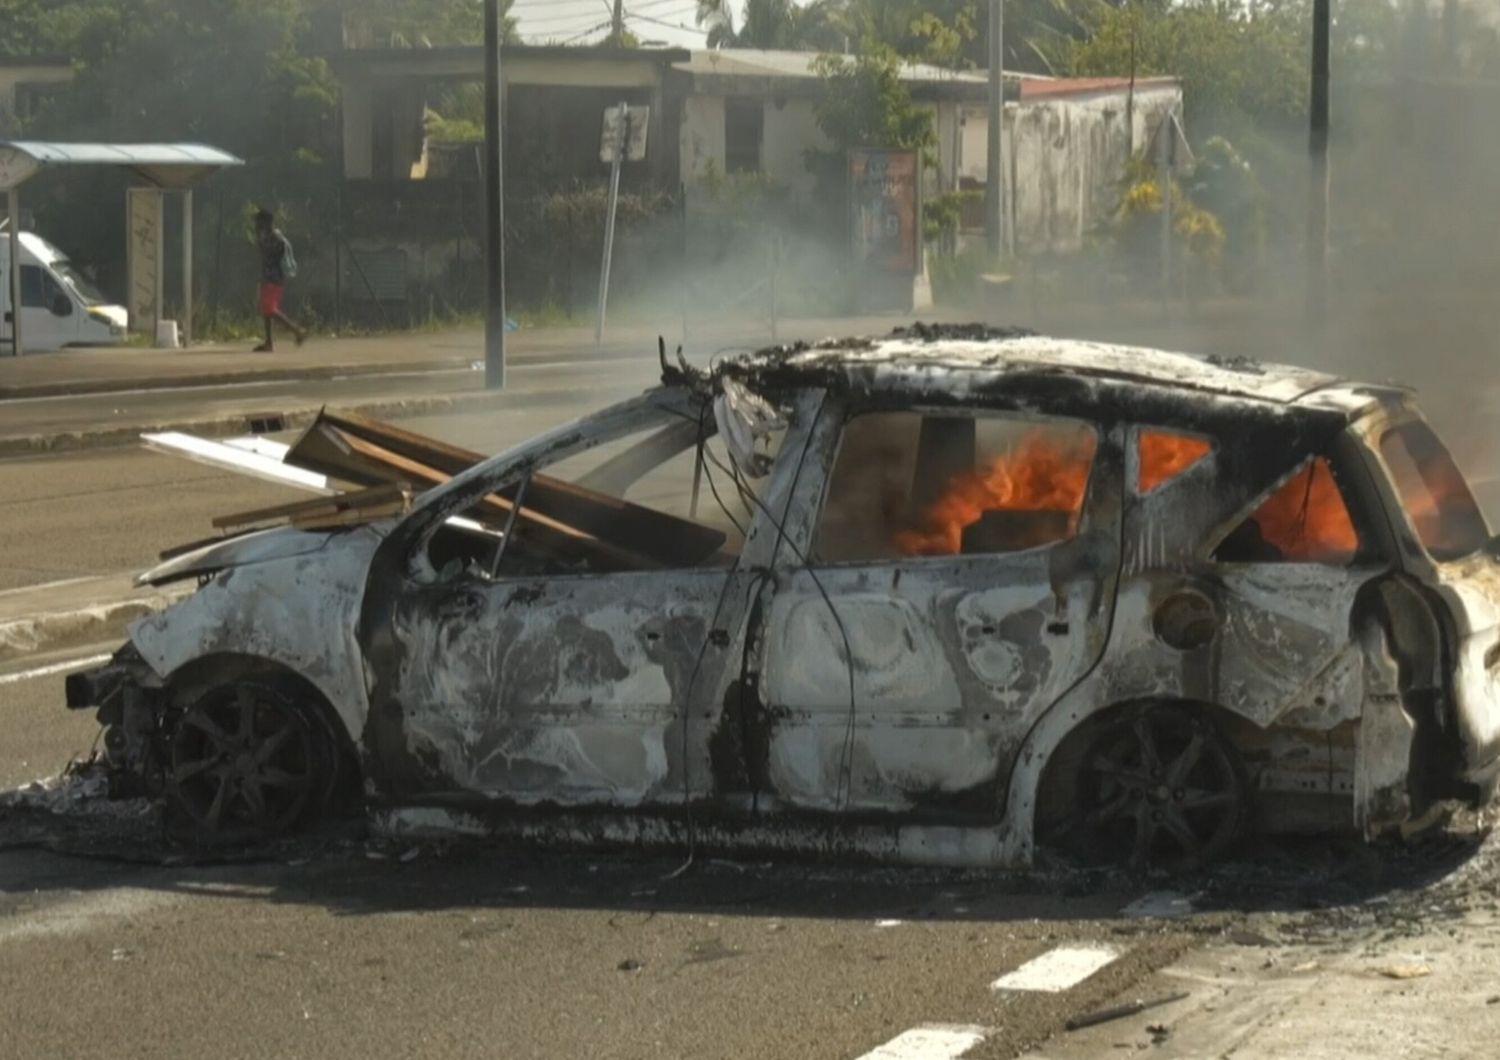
420	474
374	495
669	540
353	516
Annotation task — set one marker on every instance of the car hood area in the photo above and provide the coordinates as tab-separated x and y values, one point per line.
261	546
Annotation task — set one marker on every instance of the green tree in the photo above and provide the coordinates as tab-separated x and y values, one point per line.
420	23
865	103
1231	65
772	24
955	33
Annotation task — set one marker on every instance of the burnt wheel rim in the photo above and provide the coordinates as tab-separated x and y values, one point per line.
1162	790
243	759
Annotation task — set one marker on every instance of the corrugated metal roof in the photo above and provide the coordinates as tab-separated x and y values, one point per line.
153	156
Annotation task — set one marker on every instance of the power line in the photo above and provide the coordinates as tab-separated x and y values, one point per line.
663	22
552	5
575	18
588	32
649	4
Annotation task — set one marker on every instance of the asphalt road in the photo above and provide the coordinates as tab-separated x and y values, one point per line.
110	510
344	946
574	373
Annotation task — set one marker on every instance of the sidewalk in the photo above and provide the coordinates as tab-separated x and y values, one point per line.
1410	973
116	369
79	611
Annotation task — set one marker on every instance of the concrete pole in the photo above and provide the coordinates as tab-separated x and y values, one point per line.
494	205
187	267
994	185
158	301
617	24
1164	166
1317	198
13	205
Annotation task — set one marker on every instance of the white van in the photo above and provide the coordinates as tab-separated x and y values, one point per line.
59	307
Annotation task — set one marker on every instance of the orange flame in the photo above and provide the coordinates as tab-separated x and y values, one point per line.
1307	518
1039	475
1165	455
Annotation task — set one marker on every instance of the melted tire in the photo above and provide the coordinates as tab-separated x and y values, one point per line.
250	760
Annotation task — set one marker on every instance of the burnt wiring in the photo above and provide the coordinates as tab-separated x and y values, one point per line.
684	374
846	754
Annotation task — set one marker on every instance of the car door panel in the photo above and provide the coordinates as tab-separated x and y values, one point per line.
568	690
906	685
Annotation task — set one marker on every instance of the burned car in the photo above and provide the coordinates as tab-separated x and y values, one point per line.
931	598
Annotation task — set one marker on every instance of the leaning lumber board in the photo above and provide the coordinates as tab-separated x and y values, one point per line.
374	495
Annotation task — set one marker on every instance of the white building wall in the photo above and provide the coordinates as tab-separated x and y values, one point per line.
790	130
1064	160
702	137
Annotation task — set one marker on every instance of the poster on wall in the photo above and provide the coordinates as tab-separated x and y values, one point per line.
883	196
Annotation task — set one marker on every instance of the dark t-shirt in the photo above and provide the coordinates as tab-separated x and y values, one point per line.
273	258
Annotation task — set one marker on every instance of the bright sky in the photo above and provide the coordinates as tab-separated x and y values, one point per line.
581	21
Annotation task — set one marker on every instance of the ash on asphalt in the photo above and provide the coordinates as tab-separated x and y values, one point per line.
1308	888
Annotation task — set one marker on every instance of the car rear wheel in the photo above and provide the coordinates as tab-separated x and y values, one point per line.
249	758
1160	787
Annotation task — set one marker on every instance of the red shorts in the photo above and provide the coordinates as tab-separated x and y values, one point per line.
270	299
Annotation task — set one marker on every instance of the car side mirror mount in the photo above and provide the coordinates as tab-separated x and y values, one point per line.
62	306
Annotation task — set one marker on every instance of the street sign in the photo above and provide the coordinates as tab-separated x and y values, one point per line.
624	126
624	139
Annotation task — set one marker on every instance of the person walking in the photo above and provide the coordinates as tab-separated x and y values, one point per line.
277	265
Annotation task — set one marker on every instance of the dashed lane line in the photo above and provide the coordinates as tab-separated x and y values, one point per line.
1058	969
932	1041
54	668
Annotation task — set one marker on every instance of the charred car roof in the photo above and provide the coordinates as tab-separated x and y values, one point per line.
1011	367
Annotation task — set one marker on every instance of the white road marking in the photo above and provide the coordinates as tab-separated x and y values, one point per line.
1057	970
933	1041
114	906
50	585
55	668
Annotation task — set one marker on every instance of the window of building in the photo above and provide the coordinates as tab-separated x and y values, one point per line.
1304	521
1433	492
744	129
1163	455
912	484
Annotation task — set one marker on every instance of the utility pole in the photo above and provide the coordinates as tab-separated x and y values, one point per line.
1317	199
994	184
617	24
494	205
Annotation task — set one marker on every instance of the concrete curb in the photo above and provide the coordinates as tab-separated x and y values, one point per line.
85	387
94	624
217	426
237	423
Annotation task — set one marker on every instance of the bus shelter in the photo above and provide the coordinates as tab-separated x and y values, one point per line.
162	169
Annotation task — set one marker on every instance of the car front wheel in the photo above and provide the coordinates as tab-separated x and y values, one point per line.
249	758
